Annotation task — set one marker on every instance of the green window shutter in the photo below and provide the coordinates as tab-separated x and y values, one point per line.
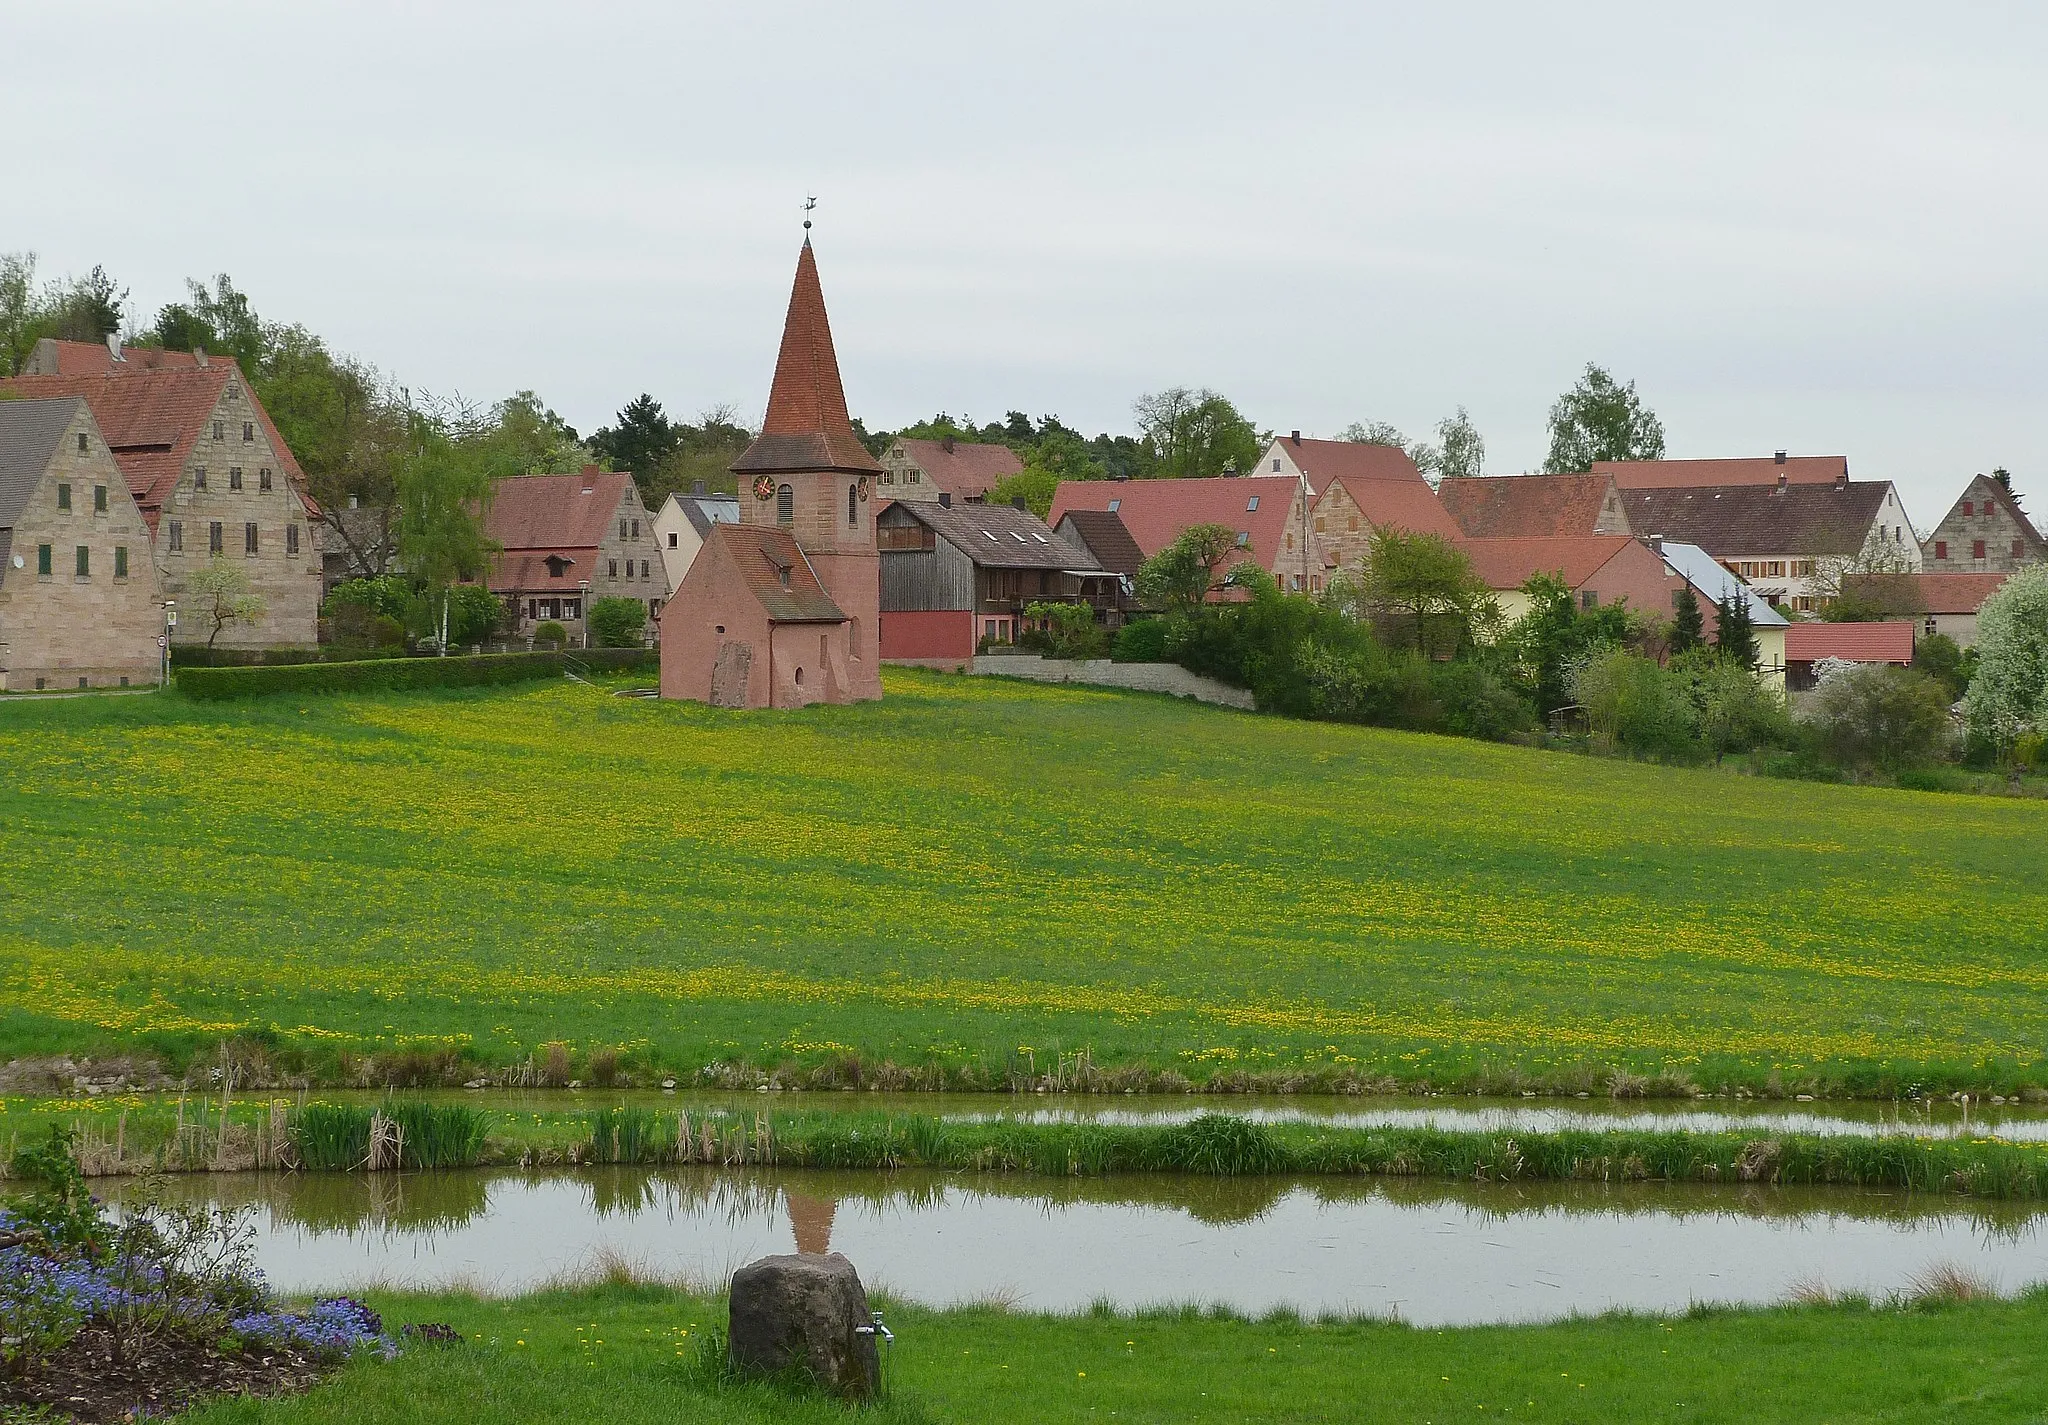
84	561
63	497
99	499
120	561
43	560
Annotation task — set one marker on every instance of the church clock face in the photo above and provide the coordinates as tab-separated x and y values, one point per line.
764	488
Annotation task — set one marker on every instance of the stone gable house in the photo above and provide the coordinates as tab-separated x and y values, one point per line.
1533	506
783	609
964	470
568	540
957	576
1359	489
1984	532
209	473
79	600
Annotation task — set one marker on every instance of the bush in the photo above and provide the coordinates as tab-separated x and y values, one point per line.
1877	715
1066	630
1636	705
1142	641
551	632
1475	701
617	623
1735	711
387	594
370	675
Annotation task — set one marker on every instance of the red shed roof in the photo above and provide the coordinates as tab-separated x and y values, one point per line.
1510	563
1156	511
1857	642
1955	593
1525	506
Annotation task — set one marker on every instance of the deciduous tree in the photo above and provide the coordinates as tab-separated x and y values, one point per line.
1181	575
2008	696
220	595
1601	419
1194	433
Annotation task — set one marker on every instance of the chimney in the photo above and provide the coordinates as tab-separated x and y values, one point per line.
696	487
1294	436
945	500
114	346
947	444
1781	457
1781	482
352	502
1017	503
1230	472
199	357
1656	543
1842	481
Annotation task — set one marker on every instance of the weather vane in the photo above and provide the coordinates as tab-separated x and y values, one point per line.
809	203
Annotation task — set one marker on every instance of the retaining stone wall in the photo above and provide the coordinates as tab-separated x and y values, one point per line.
1102	673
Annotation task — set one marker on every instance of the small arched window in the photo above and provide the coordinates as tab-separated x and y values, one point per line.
799	677
853	504
785	505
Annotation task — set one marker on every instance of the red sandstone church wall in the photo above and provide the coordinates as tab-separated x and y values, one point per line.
690	633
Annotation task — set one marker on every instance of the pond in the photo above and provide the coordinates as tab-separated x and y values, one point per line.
1428	1253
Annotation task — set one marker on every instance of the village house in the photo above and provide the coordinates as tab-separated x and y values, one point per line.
79	599
1360	488
1778	468
1807	644
209	473
965	470
567	541
1942	603
1268	513
1103	536
682	523
783	609
1533	506
1984	532
955	577
1713	584
1600	569
356	542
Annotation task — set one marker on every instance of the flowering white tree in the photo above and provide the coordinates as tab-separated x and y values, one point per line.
2009	695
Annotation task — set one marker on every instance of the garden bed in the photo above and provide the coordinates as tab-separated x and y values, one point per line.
88	1380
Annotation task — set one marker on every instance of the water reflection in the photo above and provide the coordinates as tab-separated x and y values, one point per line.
1432	1252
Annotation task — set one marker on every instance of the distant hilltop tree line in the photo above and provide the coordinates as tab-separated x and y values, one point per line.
358	433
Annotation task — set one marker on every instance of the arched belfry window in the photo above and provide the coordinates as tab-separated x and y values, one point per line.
785	505
853	504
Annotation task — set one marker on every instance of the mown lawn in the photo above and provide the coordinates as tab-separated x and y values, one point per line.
979	872
624	1354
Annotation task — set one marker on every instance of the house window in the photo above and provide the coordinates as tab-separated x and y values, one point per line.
220	430
622	529
1774	569
1276	465
1319	524
1290	541
612	568
785	505
1588	599
2019	549
1941	549
916	477
643	568
248	430
799	677
84	561
99	499
1251	506
199	477
213	538
1244	539
120	561
177	536
1115	505
263	478
234	477
234	393
1969	508
1976	549
42	561
291	539
853	504
572	608
671	539
248	539
63	497
636	529
82	447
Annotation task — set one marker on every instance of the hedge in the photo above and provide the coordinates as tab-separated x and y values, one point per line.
369	676
617	660
198	655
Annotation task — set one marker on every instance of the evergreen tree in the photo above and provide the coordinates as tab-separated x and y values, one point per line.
1688	624
1736	636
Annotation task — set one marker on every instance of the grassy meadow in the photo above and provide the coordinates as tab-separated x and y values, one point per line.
630	1353
978	880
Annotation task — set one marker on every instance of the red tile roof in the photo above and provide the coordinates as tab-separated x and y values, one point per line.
1156	511
1955	593
1740	470
527	573
92	358
1509	563
807	427
1857	642
152	417
1525	506
967	471
1382	480
554	512
764	554
1105	537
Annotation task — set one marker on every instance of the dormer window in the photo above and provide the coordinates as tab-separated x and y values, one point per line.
557	565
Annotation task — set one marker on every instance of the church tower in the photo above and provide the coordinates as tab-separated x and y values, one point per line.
807	473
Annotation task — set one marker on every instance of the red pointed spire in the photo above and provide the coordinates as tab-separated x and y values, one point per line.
807	427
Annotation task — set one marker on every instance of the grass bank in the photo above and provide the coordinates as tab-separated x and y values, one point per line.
111	1137
625	1353
974	883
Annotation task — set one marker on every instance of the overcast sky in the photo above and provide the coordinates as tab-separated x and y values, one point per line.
1811	226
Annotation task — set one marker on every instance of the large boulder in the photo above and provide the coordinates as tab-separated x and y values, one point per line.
804	1311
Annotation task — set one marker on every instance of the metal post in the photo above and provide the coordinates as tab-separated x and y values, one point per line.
170	622
584	609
